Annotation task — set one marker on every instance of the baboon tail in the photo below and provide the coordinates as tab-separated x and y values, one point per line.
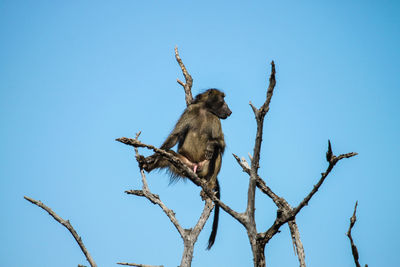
213	234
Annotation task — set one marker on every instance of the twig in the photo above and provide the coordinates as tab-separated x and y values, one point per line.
155	199
260	114
255	162
332	159
260	182
353	246
189	80
138	265
67	225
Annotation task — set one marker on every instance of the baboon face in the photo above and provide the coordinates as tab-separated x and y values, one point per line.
215	103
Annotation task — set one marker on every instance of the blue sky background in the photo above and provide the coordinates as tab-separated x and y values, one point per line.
75	75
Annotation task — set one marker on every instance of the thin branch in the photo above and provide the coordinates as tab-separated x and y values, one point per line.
332	162
295	234
155	199
188	173
138	265
285	215
353	246
189	80
208	207
260	114
280	202
272	82
67	225
260	182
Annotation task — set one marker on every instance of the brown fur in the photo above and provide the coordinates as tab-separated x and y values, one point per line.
201	144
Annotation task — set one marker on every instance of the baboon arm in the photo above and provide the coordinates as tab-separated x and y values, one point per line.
215	144
171	141
178	133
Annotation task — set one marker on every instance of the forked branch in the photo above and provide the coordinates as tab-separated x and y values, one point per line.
189	80
189	236
188	173
285	213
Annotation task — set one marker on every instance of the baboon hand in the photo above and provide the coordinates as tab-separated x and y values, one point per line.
145	163
142	161
209	152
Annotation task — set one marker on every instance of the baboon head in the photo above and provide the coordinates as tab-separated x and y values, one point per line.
213	100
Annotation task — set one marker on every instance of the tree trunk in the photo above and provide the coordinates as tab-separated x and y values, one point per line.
187	254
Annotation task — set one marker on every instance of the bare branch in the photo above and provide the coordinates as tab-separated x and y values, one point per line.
332	162
67	225
353	246
260	114
188	173
264	237
189	80
140	193
138	265
295	234
189	236
180	82
257	247
272	82
282	204
243	163
209	205
286	214
192	234
260	183
255	110
155	199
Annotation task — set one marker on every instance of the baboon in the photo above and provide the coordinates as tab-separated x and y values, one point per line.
201	144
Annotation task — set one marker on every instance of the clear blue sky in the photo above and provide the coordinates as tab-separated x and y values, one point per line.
75	75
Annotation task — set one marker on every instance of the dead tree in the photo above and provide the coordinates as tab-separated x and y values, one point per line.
285	212
258	239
